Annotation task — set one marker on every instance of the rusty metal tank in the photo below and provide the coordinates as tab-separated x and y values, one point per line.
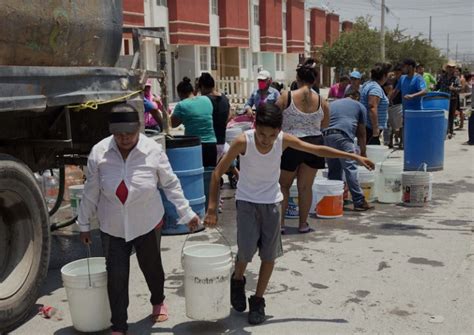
60	32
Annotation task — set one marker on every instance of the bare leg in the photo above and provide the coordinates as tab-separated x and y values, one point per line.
305	192
266	269
240	270
286	179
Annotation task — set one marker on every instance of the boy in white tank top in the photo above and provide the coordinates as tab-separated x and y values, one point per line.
259	200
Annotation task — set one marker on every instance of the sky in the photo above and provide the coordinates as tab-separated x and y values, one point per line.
455	17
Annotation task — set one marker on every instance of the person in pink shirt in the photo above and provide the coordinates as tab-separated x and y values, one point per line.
337	90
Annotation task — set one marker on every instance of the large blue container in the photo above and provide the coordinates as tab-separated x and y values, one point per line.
424	134
437	101
185	156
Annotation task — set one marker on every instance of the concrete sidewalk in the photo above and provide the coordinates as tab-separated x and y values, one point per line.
394	270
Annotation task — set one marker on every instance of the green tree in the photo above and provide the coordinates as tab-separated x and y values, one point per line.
360	49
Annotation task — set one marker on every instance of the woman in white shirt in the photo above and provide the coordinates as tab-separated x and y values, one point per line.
121	189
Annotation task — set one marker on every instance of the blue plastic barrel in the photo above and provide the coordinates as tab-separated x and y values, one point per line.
424	134
185	156
437	101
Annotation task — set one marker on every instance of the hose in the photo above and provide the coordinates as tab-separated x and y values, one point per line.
60	225
59	198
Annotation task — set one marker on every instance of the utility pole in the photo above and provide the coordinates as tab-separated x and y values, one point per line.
456	58
382	32
447	49
430	31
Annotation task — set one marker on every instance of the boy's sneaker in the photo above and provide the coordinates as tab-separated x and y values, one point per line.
237	294
257	310
365	206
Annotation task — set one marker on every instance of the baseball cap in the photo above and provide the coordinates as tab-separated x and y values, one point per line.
123	118
355	74
264	75
148	82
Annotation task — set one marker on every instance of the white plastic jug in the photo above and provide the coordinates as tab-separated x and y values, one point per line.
87	296
366	180
377	153
293	209
329	198
416	188
389	181
75	195
207	281
232	133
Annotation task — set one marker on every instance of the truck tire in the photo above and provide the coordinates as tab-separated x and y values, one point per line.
24	242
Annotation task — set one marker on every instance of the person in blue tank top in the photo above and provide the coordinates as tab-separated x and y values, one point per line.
195	113
259	200
411	85
373	97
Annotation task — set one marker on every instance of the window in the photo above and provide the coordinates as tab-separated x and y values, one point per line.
280	62
283	21
243	58
214	8
256	15
203	56
214	59
254	59
163	3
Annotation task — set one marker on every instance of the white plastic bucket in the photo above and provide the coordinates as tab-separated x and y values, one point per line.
329	198
377	153
366	180
389	182
207	281
88	302
416	188
232	133
293	211
75	194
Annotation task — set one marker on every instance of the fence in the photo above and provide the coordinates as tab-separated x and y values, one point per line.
236	89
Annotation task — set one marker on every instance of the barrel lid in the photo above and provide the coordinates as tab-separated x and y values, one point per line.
181	141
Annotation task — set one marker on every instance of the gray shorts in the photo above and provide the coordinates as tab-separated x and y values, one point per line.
258	227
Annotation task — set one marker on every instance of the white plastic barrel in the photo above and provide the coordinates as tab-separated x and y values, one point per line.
75	195
232	133
366	181
377	153
292	211
88	301
207	281
416	188
329	198
389	181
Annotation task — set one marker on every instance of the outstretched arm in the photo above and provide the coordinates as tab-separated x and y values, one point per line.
324	151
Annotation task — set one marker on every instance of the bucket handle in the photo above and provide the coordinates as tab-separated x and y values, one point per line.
220	233
388	156
88	265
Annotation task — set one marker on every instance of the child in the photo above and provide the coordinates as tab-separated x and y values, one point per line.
259	200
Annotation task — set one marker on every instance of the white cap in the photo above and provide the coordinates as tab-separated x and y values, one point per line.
264	75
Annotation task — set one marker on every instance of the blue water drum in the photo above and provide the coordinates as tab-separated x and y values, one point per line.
424	134
185	156
437	101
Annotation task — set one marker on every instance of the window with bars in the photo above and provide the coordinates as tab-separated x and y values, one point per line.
203	57
243	58
163	3
280	62
214	8
214	59
256	15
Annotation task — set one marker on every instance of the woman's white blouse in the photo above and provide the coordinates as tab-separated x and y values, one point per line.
145	168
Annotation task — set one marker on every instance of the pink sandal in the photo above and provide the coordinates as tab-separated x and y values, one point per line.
160	313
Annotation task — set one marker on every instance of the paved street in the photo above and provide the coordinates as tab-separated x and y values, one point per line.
394	270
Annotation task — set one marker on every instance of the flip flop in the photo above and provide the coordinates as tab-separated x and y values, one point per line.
160	313
305	230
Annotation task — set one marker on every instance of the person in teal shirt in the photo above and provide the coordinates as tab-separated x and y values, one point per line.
430	81
195	113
